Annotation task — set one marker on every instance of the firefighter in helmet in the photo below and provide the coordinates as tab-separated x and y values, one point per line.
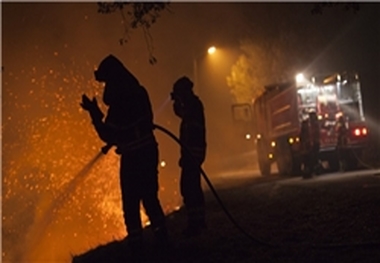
189	108
342	132
129	126
305	148
314	142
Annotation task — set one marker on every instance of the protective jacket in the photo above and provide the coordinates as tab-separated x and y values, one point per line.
192	131
129	121
305	137
342	132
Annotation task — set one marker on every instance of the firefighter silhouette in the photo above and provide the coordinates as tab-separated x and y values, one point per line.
129	126
305	148
341	132
189	108
315	142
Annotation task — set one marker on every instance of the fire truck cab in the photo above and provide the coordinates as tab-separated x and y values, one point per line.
278	113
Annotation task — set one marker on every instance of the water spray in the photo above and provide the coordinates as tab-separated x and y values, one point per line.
39	228
162	106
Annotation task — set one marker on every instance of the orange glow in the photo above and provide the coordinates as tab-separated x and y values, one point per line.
48	139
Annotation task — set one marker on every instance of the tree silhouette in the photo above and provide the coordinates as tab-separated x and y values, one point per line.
264	62
140	14
278	53
319	8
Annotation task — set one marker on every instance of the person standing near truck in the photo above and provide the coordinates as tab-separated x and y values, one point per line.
314	142
342	132
305	149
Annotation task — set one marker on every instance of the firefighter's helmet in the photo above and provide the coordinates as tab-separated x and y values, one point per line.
182	87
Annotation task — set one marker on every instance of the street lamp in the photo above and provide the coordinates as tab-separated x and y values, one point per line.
211	50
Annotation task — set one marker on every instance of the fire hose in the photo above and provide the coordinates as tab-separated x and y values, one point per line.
205	177
257	240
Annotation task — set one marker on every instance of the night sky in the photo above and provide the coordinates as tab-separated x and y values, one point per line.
49	53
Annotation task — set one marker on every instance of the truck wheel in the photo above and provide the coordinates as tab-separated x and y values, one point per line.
284	161
333	162
264	162
264	165
297	165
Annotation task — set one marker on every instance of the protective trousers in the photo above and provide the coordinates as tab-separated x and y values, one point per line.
139	183
192	194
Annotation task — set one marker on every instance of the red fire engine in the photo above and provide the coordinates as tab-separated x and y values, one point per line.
278	113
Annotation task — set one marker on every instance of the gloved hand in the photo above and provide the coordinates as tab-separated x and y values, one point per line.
92	107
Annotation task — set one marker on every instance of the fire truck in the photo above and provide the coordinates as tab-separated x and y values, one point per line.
277	114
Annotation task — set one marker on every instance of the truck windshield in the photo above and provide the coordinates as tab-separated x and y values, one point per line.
307	100
350	100
329	99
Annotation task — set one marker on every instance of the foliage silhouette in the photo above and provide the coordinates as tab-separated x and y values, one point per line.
141	14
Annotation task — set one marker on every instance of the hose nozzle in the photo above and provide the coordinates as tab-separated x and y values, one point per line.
106	148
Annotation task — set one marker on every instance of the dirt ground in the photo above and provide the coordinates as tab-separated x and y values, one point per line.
329	218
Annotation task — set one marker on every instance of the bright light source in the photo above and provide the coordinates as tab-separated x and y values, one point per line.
273	144
258	136
357	132
300	77
211	50
270	156
162	164
364	131
291	140
248	136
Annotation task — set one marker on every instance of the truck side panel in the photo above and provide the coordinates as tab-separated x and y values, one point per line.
283	113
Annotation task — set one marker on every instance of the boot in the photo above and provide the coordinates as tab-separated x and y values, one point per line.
194	229
161	235
136	248
163	244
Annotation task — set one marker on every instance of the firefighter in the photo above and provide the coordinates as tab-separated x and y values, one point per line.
342	132
314	142
189	108
305	148
129	126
